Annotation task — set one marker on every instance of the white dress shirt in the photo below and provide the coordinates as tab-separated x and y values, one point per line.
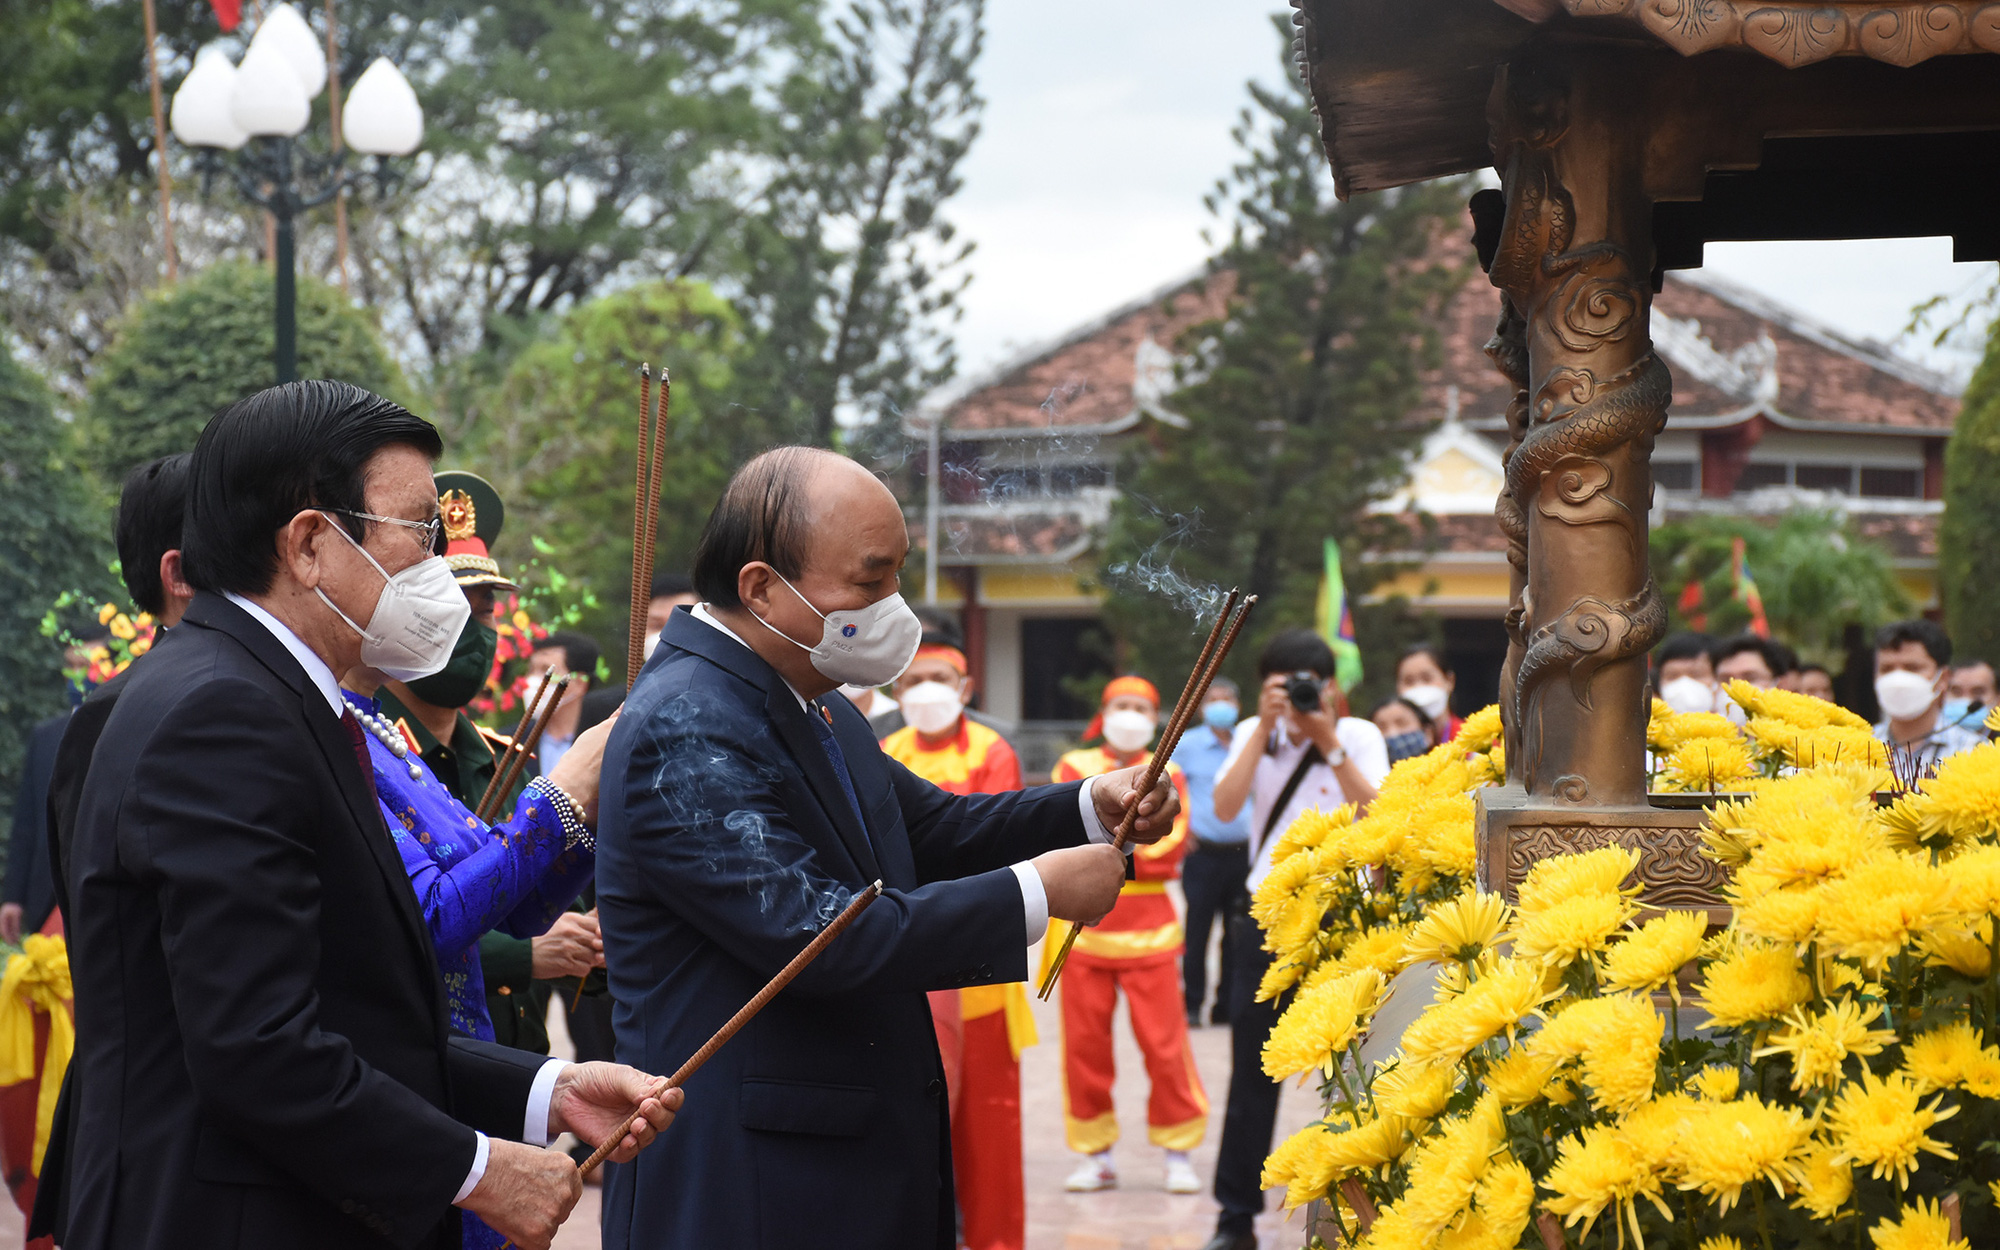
1320	788
535	1126
1034	897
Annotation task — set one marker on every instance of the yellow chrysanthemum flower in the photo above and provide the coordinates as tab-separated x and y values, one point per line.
1378	948
1825	1182
1919	1227
1975	878
1311	830
1458	931
1444	1169
1618	1038
1818	1043
1321	1022
1600	1169
1753	981
1418	1093
1478	731
1878	907
1674	730
1602	871
1803	829
1505	1200
1520	1077
1717	1084
1708	765
1946	1056
1502	996
1721	1243
1787	914
1965	794
1282	975
1880	1123
1654	955
1727	1145
1798	709
1964	949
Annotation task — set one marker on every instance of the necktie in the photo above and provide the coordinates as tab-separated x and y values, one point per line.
822	721
359	737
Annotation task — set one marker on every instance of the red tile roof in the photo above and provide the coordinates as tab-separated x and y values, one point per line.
1085	378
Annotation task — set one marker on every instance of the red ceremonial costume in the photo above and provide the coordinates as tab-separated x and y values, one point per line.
982	1029
1136	948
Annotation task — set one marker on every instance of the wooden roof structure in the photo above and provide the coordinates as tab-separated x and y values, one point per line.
1794	119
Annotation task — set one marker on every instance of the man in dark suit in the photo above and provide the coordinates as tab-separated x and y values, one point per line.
742	809
30	890
262	1057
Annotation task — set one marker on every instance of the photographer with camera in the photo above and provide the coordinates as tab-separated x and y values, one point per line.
1298	754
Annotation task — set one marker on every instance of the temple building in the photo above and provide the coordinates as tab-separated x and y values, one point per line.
1771	409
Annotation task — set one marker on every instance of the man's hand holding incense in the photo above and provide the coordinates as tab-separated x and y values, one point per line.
597	1100
1081	882
1110	792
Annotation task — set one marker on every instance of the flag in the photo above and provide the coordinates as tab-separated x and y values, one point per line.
1743	589
1335	622
227	12
1691	600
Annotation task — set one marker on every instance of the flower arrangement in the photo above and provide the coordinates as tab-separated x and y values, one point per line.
549	595
94	661
1822	1072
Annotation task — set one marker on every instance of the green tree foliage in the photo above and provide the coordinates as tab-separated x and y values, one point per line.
851	267
1814	574
55	534
558	435
1969	535
190	349
1300	404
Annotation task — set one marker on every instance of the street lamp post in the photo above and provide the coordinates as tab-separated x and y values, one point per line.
258	110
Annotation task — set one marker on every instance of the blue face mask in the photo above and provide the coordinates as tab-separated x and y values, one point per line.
1218	716
1955	710
1407	746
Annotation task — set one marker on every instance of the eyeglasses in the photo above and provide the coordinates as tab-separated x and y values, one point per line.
432	530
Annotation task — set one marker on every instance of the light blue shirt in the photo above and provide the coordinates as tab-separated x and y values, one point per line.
1201	756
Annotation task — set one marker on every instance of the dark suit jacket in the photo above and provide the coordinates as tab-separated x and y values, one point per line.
28	879
262	1058
725	843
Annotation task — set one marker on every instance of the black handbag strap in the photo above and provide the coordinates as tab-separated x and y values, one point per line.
1292	784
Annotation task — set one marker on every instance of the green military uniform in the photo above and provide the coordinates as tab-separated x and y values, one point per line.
517	1003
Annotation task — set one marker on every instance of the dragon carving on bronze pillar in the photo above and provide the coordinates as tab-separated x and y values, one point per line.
1574	258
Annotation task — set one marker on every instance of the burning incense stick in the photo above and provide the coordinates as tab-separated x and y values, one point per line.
1213	653
518	759
856	905
528	710
635	646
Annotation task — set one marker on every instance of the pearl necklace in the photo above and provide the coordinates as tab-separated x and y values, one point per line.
389	736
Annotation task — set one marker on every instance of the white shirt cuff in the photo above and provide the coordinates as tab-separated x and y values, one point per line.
472	1178
1034	900
1093	828
535	1130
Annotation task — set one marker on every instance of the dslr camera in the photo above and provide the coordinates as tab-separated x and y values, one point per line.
1304	689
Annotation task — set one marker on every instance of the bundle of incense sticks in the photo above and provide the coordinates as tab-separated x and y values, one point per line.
1221	637
855	906
507	769
645	511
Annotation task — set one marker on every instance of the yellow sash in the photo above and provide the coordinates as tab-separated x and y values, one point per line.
37	979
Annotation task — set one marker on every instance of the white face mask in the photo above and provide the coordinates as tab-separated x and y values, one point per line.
1432	699
532	689
417	617
1903	695
1127	731
931	706
868	646
1688	694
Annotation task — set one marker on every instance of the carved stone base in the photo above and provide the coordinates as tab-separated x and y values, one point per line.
1513	832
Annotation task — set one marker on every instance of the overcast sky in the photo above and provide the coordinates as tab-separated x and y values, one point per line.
1108	120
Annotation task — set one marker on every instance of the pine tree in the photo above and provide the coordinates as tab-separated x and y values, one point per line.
1301	402
1969	534
854	274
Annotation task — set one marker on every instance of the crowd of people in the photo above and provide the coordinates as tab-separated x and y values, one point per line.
1927	702
316	926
